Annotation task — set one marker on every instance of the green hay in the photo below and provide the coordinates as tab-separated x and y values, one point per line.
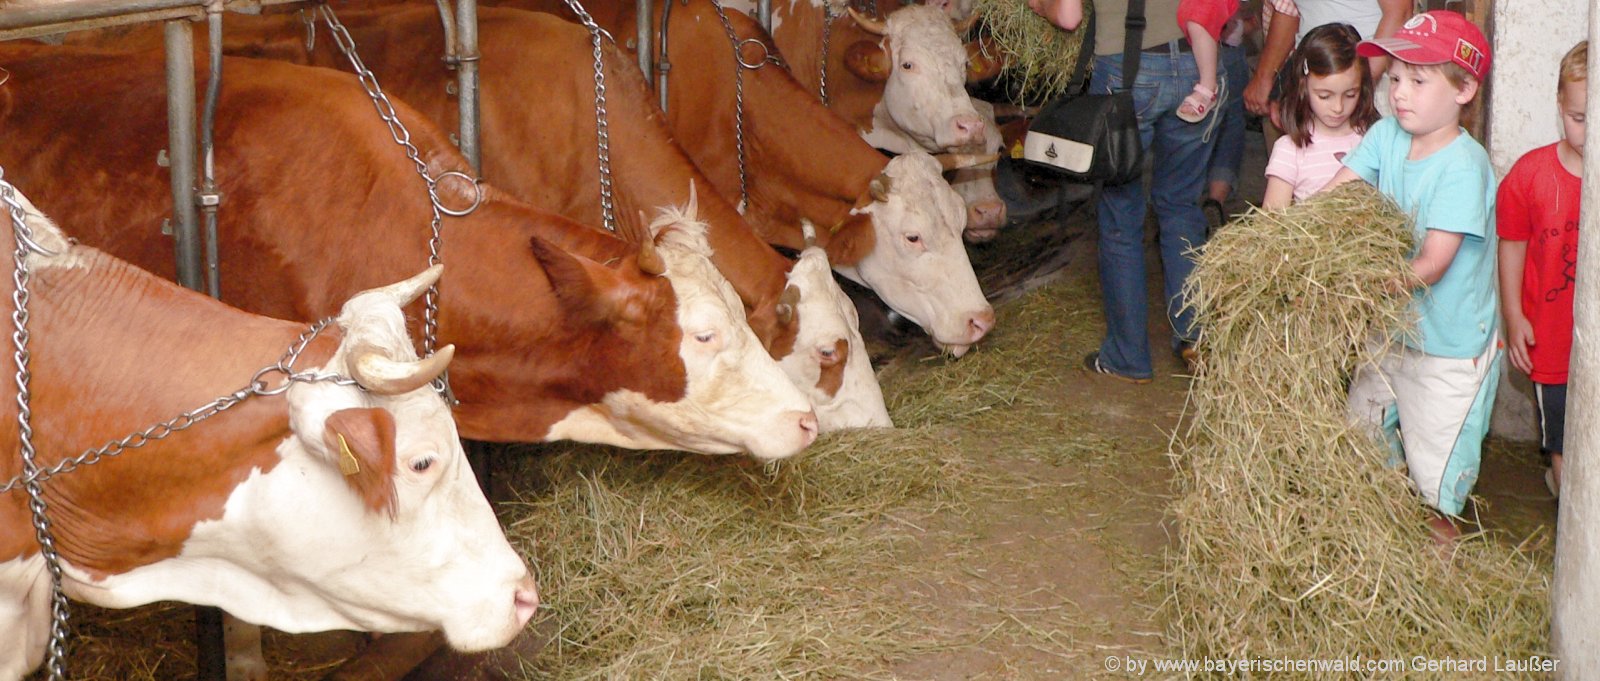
1296	540
1042	58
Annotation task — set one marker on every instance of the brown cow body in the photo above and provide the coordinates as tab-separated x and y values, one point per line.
320	202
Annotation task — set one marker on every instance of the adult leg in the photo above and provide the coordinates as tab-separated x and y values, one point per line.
1121	213
1223	174
1181	152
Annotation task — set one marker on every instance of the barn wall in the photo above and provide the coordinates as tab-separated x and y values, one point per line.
1528	38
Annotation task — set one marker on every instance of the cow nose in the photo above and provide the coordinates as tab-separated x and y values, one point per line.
808	427
526	600
986	215
981	323
969	129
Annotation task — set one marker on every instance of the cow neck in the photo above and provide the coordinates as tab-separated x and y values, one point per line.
799	38
523	362
117	350
805	161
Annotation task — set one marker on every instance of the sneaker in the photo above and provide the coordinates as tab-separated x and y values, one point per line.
1550	482
1091	363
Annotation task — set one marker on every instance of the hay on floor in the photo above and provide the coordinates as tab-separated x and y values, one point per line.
1297	540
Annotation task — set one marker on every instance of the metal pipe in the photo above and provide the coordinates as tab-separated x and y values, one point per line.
447	18
764	14
664	64
209	198
64	12
181	150
467	77
642	26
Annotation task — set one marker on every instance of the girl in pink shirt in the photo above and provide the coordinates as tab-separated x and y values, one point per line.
1331	108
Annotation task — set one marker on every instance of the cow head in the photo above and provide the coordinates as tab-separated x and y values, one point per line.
736	397
830	361
376	521
924	66
918	264
986	212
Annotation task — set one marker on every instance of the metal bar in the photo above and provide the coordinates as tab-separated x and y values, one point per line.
467	79
642	25
181	149
209	199
764	14
83	15
664	64
211	659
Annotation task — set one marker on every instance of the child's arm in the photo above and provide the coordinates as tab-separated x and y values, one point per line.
1438	250
1066	14
1279	193
1344	175
1519	331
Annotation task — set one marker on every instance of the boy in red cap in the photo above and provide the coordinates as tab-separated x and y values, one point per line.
1437	385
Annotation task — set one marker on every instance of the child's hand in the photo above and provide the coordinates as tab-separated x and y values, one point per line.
1519	337
1065	14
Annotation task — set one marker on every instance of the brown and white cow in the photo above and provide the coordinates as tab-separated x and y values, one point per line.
326	507
538	124
892	225
560	333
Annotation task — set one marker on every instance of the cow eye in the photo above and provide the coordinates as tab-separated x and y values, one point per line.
421	465
905	65
914	238
705	336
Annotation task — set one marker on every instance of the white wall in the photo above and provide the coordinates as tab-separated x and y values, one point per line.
1528	39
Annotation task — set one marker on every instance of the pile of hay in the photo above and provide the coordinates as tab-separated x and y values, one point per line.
1041	58
1297	541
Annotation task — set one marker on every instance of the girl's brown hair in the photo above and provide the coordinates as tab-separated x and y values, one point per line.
1325	51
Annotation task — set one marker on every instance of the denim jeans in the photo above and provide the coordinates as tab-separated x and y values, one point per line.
1178	154
1229	153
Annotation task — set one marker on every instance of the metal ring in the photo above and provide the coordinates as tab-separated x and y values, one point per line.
477	189
258	382
738	53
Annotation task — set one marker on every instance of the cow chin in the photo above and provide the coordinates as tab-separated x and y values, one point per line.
472	632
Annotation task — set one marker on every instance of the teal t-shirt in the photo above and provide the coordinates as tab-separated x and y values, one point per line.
1451	190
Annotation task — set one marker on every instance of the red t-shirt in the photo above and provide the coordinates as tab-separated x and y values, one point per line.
1538	203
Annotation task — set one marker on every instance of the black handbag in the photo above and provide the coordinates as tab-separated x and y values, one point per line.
1089	137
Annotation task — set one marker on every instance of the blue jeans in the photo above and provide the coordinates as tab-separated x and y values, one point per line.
1178	152
1229	153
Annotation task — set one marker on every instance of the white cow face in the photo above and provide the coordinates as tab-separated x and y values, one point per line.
919	265
829	362
986	212
371	521
925	95
736	398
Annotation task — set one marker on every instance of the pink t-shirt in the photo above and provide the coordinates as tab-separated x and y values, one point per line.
1309	168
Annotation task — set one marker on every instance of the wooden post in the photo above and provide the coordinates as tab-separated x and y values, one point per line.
1575	614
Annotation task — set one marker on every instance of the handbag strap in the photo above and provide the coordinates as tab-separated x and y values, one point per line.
1132	42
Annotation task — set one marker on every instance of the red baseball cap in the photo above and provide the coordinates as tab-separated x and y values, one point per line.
1437	37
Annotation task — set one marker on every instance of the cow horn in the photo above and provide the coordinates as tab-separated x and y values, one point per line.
403	292
879	189
954	161
376	372
650	261
808	230
966	24
787	303
869	24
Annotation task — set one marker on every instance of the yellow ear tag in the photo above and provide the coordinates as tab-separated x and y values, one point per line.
347	459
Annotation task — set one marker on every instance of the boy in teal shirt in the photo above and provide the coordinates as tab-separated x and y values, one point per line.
1439	387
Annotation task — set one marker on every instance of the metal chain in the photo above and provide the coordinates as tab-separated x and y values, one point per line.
160	431
738	106
402	136
602	132
827	32
57	650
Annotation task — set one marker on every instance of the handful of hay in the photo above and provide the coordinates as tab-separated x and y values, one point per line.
1297	540
1042	58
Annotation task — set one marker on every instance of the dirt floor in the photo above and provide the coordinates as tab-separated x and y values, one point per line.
1045	569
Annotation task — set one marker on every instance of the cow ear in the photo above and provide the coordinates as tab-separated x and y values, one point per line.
577	283
852	241
868	60
362	442
984	61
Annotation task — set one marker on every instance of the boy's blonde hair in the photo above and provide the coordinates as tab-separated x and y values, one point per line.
1574	66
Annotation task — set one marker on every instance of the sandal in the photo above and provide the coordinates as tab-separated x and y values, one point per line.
1197	105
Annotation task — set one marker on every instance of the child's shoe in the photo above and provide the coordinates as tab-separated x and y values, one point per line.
1550	482
1198	104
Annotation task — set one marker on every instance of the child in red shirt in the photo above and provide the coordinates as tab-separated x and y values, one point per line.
1537	215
